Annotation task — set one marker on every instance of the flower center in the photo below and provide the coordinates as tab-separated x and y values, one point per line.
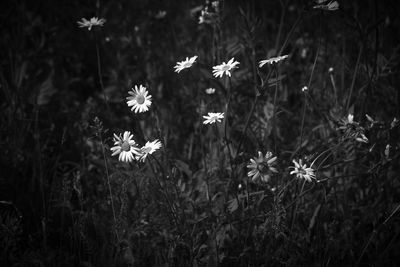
225	67
262	167
140	99
146	150
302	172
125	146
187	65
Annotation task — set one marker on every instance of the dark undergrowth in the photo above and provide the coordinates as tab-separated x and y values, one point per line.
332	104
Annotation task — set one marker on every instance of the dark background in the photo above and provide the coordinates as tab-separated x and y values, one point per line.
55	203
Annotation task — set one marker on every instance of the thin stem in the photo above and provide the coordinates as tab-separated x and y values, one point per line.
305	96
374	232
334	87
281	22
100	75
256	98
228	88
291	32
354	77
164	191
274	104
41	180
109	184
296	206
302	121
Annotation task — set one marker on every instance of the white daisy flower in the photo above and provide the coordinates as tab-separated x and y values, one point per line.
185	64
90	23
210	91
148	149
139	100
126	147
302	171
262	167
272	60
213	117
226	68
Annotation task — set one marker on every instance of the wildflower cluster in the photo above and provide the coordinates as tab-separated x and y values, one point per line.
124	146
218	71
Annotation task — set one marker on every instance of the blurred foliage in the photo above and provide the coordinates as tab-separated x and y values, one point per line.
192	204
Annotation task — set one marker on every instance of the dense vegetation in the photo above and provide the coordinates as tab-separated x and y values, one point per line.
333	105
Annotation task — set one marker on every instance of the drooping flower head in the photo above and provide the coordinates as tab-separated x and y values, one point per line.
272	60
213	117
262	167
161	14
210	91
324	5
302	171
148	149
225	68
352	129
125	147
394	123
140	100
185	64
90	23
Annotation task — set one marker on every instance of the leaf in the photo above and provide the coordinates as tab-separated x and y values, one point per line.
234	46
233	205
184	167
20	74
313	218
46	91
268	110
